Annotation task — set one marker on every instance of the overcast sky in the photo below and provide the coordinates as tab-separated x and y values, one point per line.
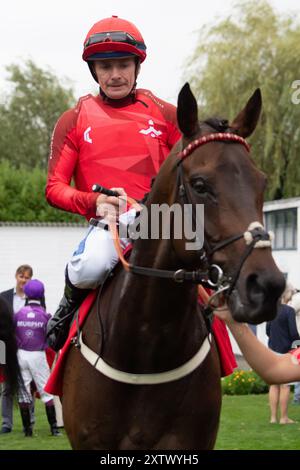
51	33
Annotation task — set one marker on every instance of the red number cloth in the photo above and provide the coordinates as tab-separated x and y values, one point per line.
296	354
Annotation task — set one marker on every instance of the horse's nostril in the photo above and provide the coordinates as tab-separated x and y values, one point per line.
255	291
262	289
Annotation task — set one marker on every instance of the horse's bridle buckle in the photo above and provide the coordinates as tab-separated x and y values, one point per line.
75	342
179	275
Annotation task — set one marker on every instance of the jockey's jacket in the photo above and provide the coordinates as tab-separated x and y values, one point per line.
113	143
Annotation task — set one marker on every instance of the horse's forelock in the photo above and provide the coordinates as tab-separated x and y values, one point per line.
218	124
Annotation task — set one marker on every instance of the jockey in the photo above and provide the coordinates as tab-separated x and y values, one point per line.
31	322
118	139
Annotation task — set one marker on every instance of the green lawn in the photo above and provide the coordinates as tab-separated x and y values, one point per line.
244	425
41	440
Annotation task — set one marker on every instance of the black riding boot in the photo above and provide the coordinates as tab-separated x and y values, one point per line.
59	325
51	416
26	419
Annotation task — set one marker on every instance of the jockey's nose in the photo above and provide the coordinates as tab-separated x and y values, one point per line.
115	73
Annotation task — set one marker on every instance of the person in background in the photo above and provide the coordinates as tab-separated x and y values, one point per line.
15	297
31	322
295	304
282	333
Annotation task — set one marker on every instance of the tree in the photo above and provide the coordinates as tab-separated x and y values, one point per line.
22	197
253	48
29	113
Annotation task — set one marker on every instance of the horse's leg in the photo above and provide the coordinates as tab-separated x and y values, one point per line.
92	408
71	393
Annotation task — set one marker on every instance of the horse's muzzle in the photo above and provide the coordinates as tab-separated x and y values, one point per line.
255	299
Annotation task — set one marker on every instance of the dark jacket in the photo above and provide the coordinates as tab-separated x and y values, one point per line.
8	295
282	331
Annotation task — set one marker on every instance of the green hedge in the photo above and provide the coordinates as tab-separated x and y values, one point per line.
22	197
243	382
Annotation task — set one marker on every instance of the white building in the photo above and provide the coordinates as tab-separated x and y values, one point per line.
283	218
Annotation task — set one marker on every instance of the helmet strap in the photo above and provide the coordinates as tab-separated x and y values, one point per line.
92	70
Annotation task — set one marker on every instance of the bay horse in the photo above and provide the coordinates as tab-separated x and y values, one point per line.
162	388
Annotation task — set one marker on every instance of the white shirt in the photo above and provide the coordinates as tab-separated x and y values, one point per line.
18	302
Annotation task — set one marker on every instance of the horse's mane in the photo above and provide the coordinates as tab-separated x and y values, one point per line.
7	335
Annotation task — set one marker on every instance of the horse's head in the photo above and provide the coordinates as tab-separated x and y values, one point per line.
218	172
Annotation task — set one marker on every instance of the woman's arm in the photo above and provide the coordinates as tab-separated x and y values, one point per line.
272	368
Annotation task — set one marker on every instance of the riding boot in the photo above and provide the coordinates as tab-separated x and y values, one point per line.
58	326
51	416
26	419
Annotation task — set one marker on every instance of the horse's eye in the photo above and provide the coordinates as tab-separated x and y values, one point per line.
199	186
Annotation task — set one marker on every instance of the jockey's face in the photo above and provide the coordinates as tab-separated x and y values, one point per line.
21	279
116	77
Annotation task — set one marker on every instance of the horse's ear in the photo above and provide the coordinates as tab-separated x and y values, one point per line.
246	121
187	112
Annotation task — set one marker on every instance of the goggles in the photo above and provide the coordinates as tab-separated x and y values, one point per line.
114	36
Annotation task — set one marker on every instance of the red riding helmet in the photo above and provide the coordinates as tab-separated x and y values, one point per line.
111	38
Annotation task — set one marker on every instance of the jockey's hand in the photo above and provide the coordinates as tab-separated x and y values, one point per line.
224	314
111	207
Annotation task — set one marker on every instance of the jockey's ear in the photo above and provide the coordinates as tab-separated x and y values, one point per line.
187	112
246	121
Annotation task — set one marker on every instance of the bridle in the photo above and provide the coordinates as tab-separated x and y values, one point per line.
255	236
212	276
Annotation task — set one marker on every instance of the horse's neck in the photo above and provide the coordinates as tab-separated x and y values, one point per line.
162	300
151	321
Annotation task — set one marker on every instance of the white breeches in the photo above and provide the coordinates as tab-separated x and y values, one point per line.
34	366
96	255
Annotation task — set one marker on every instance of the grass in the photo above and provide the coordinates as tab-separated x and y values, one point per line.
41	440
244	425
